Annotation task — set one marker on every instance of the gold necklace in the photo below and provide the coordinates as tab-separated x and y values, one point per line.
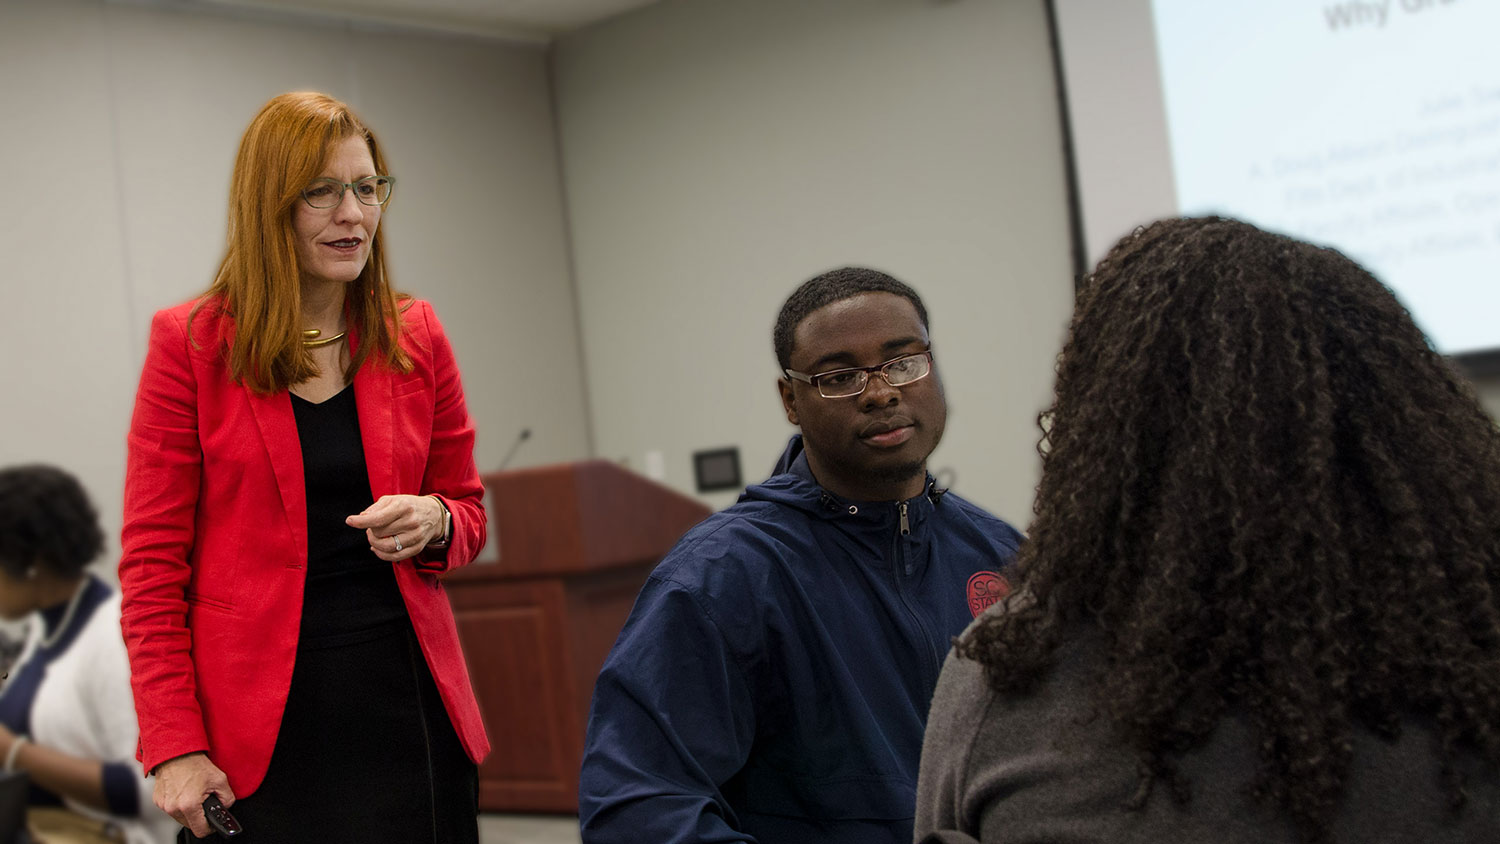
311	339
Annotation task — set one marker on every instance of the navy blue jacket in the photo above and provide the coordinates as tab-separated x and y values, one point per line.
772	682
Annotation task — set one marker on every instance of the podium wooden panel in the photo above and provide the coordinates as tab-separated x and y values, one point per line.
576	542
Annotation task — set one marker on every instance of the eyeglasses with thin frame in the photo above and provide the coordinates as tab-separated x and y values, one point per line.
328	193
843	383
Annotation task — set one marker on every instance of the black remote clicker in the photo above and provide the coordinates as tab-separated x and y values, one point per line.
219	818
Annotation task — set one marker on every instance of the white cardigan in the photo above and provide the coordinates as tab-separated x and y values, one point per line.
84	707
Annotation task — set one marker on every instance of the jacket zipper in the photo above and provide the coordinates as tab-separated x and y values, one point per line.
899	558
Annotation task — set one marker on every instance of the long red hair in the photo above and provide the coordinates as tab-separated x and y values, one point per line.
258	283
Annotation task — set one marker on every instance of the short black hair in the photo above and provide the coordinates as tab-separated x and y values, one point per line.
833	286
46	520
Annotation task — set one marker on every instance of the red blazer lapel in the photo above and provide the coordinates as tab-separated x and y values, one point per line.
278	431
377	428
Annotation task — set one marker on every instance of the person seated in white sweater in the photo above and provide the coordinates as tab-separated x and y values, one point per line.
66	712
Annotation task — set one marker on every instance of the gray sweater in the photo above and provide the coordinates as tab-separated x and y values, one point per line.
1038	769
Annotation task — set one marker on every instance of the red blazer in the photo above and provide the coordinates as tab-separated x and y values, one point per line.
215	536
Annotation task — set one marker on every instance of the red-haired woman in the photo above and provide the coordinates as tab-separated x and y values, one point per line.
300	471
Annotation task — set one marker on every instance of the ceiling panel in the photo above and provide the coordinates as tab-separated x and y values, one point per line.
529	20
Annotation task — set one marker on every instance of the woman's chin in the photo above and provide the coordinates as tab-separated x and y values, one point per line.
340	276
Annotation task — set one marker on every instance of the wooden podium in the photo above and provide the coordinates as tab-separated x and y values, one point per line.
576	541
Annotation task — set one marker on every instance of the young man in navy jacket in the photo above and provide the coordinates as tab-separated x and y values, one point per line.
771	684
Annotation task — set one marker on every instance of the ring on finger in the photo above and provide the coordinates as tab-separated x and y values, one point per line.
397	537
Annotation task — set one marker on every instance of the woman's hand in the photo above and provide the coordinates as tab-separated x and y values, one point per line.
400	526
183	783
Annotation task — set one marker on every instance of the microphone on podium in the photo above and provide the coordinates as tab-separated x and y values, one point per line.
520	438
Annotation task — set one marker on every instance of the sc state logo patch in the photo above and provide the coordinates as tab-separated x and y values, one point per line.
985	588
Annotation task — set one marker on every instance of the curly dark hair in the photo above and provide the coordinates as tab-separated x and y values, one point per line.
833	286
47	521
1268	495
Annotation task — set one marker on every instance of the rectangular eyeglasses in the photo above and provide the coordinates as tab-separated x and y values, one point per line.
851	381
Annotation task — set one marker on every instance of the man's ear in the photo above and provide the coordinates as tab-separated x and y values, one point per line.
788	400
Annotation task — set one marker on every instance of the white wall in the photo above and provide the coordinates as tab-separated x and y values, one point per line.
1119	122
717	153
118	129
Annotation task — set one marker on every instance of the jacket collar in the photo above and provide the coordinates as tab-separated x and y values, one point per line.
793	484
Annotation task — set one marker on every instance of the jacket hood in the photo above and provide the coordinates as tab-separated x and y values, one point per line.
789	455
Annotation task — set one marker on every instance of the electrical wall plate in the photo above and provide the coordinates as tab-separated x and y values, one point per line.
717	469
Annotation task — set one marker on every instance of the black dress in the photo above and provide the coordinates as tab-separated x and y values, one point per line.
365	751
